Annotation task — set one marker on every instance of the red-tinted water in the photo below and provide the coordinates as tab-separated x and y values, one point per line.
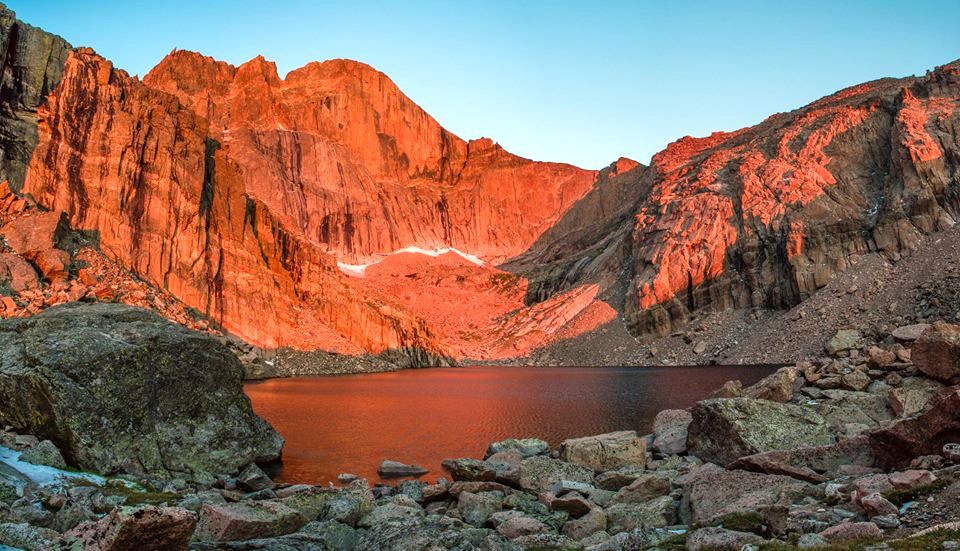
352	423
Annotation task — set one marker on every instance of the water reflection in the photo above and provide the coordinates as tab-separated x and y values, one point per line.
351	423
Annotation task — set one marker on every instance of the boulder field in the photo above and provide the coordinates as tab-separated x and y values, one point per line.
856	450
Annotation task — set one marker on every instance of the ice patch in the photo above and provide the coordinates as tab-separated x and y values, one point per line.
42	475
358	269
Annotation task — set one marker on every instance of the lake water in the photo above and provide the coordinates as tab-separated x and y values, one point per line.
351	423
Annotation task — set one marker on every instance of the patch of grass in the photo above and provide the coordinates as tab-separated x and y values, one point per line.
933	540
677	542
899	497
136	497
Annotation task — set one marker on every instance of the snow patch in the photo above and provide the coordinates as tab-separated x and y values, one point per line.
358	270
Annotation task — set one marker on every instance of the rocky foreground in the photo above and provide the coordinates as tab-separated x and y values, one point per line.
858	450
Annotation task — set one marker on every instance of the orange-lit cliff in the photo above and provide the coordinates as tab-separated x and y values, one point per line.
326	210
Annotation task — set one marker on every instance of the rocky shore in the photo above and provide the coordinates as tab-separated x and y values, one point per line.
857	450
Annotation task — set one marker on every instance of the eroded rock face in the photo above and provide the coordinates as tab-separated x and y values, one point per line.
119	389
764	216
174	209
32	66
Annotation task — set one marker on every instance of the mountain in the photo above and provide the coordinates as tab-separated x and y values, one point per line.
326	211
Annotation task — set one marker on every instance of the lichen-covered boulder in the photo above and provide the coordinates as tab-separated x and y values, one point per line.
725	429
119	389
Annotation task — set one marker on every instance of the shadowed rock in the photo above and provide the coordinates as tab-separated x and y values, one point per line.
119	389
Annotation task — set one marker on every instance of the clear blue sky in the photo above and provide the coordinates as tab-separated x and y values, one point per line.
579	82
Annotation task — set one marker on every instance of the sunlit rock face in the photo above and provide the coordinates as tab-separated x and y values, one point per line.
326	210
345	160
240	193
766	215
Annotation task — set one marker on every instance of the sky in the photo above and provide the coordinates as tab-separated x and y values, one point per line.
576	82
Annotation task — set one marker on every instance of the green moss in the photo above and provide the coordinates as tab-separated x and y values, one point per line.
899	497
8	494
933	540
674	543
744	522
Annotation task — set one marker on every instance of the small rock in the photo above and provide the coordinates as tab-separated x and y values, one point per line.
951	452
909	333
848	531
526	447
720	539
393	469
812	541
572	503
469	469
521	526
253	479
843	340
876	505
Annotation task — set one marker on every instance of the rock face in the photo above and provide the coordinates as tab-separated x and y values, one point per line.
118	389
286	211
764	216
32	66
240	198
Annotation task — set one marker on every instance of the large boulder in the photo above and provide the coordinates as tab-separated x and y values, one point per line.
925	434
146	529
119	389
247	520
540	473
606	451
724	429
937	352
711	494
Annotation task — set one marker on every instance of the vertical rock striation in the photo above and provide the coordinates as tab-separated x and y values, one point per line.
32	66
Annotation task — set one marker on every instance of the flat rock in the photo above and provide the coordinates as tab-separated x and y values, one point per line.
909	333
725	429
719	539
711	492
391	469
606	451
146	529
247	520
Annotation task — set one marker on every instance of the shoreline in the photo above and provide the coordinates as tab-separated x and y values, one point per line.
852	449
